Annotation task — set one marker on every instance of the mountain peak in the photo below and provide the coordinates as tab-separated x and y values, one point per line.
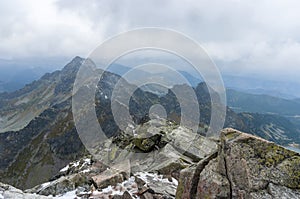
74	64
77	59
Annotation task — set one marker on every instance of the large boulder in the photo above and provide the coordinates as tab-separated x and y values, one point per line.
245	166
158	145
112	176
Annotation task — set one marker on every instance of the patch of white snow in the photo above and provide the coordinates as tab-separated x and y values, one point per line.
68	195
64	169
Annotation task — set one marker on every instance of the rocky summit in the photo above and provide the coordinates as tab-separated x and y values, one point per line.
235	165
245	166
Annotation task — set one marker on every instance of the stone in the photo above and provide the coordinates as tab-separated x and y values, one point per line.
147	144
139	182
10	192
167	161
251	163
63	185
126	195
245	166
146	195
191	144
117	174
202	180
142	190
117	197
103	180
278	192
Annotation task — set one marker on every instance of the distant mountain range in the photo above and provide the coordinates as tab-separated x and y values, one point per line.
20	77
256	85
38	135
251	85
265	104
260	103
15	74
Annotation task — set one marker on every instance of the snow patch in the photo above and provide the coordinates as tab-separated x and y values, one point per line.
46	184
148	177
131	186
64	169
68	195
85	171
86	161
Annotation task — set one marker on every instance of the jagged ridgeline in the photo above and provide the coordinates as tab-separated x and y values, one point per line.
38	136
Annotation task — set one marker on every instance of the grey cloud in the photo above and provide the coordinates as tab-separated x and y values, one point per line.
242	36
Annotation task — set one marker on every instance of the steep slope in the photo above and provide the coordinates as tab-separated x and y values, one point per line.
50	139
18	108
47	143
270	127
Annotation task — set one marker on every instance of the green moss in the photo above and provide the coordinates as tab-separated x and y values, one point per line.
113	152
291	167
147	144
207	196
180	189
268	154
231	135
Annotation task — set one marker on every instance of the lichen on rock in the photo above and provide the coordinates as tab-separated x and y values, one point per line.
246	166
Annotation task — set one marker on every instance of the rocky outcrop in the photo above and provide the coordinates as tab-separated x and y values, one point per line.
9	192
158	146
245	166
174	149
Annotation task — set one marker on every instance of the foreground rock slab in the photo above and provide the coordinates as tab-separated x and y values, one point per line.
245	166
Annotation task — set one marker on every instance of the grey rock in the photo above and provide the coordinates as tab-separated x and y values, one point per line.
282	192
10	192
245	166
140	183
126	195
117	197
63	185
146	195
112	176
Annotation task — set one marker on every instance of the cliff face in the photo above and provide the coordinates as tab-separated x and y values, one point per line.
245	166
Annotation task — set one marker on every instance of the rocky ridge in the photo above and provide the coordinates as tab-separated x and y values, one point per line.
236	165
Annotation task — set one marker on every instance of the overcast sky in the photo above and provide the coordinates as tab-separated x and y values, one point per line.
241	36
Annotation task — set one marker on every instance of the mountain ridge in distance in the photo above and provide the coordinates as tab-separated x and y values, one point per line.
262	103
